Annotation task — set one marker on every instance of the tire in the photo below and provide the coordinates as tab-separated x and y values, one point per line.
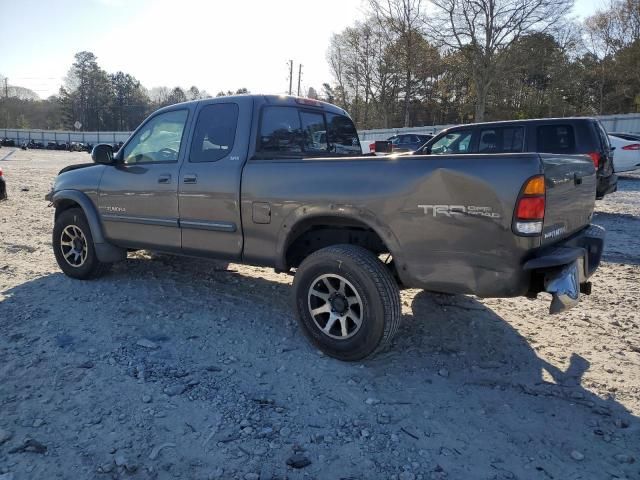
347	301
76	260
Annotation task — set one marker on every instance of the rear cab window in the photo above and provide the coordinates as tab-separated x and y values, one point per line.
297	132
556	139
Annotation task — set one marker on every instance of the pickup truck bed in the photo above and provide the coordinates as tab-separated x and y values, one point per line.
261	189
446	220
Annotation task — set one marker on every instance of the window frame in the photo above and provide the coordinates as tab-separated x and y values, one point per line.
121	155
195	125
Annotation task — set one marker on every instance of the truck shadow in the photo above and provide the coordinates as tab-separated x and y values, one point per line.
460	383
622	243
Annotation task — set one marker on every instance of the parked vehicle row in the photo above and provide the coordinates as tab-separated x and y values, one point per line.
282	182
66	146
71	147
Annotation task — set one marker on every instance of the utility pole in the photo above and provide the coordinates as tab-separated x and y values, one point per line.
290	76
299	78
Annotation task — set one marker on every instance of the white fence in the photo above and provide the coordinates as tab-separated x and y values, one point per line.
629	123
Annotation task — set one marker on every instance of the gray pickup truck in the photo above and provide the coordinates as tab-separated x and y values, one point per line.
281	182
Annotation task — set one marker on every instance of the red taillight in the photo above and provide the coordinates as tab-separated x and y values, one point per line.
530	208
372	147
0	172
595	156
633	146
529	212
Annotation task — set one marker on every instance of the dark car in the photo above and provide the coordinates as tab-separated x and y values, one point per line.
568	136
8	142
406	142
3	186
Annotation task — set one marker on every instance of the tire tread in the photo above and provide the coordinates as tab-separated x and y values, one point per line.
386	286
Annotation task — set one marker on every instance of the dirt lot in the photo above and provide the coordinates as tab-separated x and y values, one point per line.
182	368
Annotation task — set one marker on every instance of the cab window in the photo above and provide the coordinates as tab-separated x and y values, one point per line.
556	139
343	137
159	139
501	140
215	132
453	142
314	131
295	132
281	131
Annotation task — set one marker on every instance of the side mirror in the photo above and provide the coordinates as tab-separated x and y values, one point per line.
382	146
102	153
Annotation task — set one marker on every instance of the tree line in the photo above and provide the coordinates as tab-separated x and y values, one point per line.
97	99
454	61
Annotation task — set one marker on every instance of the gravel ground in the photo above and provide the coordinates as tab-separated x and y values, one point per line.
182	368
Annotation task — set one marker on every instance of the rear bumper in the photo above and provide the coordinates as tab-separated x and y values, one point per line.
564	268
587	244
606	185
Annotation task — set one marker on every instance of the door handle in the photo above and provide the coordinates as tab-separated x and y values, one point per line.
577	180
190	178
164	178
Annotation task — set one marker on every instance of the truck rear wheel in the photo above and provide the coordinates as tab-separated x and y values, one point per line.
347	301
73	246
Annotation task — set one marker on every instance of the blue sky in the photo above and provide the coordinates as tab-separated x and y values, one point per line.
216	45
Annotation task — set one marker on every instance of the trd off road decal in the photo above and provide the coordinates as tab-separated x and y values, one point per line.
457	210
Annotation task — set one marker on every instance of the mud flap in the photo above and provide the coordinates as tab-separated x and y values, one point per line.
564	286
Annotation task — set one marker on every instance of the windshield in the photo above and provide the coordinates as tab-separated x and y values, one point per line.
454	142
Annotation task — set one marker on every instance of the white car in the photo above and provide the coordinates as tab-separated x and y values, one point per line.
626	156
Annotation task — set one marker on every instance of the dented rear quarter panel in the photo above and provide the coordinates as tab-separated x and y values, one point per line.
454	250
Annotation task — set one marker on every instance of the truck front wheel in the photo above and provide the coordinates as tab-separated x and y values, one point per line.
73	246
347	301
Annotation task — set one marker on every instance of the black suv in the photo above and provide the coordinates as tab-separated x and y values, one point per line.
580	136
